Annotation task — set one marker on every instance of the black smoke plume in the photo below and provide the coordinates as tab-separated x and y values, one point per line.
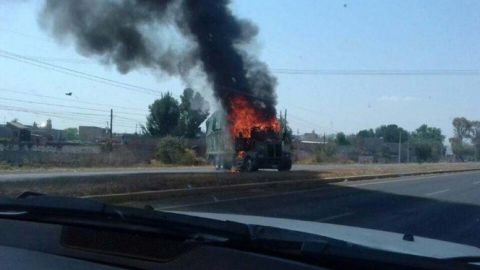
141	34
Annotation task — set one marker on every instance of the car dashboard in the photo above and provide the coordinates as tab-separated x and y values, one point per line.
35	245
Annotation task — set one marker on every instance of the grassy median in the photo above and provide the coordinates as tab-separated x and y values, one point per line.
77	185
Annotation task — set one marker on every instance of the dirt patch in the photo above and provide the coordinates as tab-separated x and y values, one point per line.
372	169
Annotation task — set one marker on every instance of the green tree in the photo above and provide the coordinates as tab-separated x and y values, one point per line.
341	139
326	152
366	133
428	143
71	134
163	117
460	149
193	111
391	133
462	129
475	137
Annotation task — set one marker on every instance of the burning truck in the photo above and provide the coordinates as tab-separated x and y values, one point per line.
246	140
210	44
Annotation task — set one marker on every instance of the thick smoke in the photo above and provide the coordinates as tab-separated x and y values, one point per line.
132	34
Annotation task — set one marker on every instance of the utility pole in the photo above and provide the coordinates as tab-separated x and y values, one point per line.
400	148
111	124
408	151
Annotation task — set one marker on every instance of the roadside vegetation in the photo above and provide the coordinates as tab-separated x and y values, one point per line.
174	123
466	140
168	117
384	143
175	151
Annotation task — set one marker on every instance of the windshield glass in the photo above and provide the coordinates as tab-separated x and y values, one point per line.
355	113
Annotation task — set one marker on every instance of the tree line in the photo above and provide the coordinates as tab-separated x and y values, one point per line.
466	139
167	116
425	142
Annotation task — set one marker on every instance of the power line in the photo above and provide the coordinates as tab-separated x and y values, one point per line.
379	72
127	118
89	116
64	106
295	71
67	100
62	60
52	114
71	74
287	71
76	73
60	116
119	116
306	122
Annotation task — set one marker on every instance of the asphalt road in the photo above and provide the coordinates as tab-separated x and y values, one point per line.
445	207
39	174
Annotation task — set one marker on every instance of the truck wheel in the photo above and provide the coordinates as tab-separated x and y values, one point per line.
227	165
285	166
250	165
217	163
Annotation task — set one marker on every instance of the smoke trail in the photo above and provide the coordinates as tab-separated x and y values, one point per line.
137	34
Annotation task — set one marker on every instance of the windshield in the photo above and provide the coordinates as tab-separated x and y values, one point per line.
354	113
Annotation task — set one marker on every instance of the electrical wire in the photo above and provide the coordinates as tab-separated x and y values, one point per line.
379	72
63	117
66	106
76	73
29	93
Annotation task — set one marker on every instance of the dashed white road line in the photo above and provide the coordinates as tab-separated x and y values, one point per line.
437	192
335	216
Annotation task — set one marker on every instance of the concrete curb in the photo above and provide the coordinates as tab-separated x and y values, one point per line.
304	183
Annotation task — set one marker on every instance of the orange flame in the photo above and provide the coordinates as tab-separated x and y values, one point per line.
243	118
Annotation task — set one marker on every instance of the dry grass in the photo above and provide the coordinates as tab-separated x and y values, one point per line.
374	169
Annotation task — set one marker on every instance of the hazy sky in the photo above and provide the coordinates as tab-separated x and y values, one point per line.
343	36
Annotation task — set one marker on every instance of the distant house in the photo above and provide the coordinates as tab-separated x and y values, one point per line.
19	132
311	137
5	133
46	133
92	134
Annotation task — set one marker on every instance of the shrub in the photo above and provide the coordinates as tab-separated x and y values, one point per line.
5	166
175	151
326	152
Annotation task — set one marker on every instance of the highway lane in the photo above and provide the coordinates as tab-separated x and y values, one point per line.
445	207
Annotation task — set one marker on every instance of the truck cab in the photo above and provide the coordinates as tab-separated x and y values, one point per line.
264	149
